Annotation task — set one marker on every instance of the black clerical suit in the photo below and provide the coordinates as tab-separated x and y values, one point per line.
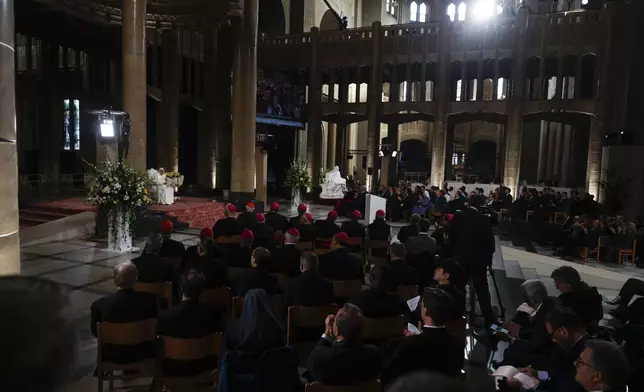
402	274
125	306
562	369
286	260
434	350
341	363
354	229
309	289
191	253
379	230
339	264
227	227
325	228
172	248
247	220
458	298
585	301
276	221
406	232
255	278
307	232
213	269
295	221
190	319
377	303
264	236
237	256
473	242
151	269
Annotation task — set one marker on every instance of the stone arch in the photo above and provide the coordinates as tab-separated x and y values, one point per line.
481	158
272	18
329	21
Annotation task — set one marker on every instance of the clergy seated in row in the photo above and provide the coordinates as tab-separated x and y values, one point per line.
193	252
238	255
532	346
209	264
151	268
125	306
577	295
421	243
379	230
309	288
354	229
434	349
286	259
276	220
379	300
264	234
410	230
257	277
190	319
295	221
228	226
401	273
339	263
170	247
327	228
340	358
306	228
248	218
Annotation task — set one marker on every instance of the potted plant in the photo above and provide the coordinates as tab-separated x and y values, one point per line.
121	191
298	179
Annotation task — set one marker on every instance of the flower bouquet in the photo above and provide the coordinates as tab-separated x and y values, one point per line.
297	178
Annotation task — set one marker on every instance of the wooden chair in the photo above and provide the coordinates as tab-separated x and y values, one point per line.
346	288
319	251
528	214
596	250
162	290
227	240
124	334
190	350
504	214
382	328
558	215
233	273
173	262
217	298
407	292
370	386
323	243
237	306
307	316
305	245
354	241
283	281
627	252
377	244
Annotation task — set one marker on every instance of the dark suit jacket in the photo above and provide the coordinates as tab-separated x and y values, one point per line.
441	204
236	256
227	227
377	303
434	350
344	364
406	232
276	221
402	274
307	232
189	320
264	236
247	220
309	289
191	253
213	269
339	264
125	306
255	278
562	371
533	336
354	229
458	296
472	239
172	248
379	230
286	260
324	228
585	301
295	221
421	243
152	269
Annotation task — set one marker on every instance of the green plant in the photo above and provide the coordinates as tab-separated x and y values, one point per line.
297	176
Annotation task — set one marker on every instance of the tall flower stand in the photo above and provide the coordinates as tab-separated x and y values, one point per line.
296	198
119	236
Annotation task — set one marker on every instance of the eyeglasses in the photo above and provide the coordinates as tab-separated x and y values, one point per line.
579	362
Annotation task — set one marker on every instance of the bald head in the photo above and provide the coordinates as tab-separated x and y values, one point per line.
125	275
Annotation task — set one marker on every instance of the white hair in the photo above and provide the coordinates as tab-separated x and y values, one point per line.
291	239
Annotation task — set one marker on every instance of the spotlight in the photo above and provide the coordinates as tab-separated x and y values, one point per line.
107	128
484	9
381	154
394	153
584	2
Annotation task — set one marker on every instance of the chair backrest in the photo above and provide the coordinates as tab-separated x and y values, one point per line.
353	241
217	298
307	316
232	273
162	290
283	280
322	251
305	245
238	305
346	288
323	243
369	386
226	240
191	349
126	334
407	292
382	328
378	244
457	327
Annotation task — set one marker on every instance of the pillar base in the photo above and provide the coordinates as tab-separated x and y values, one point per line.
239	199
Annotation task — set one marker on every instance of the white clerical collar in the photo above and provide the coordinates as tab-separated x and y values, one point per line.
423	232
474	208
433	326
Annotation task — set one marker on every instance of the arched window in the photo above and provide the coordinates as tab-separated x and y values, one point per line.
422	14
413	11
451	11
462	10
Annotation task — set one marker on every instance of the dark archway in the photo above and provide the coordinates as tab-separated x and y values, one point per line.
329	21
414	157
272	20
481	158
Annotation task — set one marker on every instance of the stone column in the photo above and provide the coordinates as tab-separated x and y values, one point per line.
168	114
207	138
449	151
385	169
594	164
392	135
245	106
373	106
443	95
342	132
134	79
515	117
261	175
330	148
565	157
314	123
552	140
51	112
541	163
9	237
499	151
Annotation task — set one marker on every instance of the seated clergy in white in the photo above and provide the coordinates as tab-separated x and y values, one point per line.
165	194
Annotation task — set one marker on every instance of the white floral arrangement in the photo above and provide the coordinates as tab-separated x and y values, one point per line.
118	185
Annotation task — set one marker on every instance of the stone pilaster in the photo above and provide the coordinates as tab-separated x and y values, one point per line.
330	148
261	175
439	141
9	227
134	79
168	126
314	123
594	164
374	104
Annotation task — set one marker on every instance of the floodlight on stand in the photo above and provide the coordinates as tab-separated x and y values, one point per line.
394	153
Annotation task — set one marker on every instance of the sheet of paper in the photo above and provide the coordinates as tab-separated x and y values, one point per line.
413	303
525	308
506	371
412	328
526	381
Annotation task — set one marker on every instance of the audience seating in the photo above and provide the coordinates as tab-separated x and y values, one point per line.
306	245
227	240
190	350
627	252
319	251
504	214
356	241
238	305
124	334
217	298
370	386
173	262
457	327
279	237
557	215
596	250
162	290
407	292
346	288
377	244
233	273
323	243
283	281
382	328
307	316
528	214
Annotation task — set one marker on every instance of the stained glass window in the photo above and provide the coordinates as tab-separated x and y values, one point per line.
413	11
71	124
422	13
67	120
76	125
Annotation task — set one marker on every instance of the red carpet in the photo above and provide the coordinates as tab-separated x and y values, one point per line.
194	211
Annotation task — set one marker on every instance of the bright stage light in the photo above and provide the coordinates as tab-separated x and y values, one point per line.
394	153
584	2
484	9
107	128
381	154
